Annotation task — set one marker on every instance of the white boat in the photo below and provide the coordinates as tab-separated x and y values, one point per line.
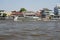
17	18
55	18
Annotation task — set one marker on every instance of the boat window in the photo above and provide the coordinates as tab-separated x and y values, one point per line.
56	16
30	15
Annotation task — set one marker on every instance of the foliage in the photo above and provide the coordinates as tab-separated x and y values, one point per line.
4	14
22	9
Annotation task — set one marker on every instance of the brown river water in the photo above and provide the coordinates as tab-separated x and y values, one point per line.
39	30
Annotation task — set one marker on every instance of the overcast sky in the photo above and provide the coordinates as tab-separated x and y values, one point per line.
32	5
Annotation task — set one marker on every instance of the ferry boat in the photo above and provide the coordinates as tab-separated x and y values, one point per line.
30	18
55	18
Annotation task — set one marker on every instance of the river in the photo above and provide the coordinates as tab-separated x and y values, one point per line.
39	30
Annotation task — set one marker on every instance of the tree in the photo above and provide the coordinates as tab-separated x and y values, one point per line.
22	9
4	15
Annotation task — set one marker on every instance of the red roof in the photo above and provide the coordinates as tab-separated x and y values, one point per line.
17	13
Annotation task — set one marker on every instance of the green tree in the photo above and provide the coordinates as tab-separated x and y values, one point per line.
22	9
4	14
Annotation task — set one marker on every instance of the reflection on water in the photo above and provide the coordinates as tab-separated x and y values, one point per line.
10	30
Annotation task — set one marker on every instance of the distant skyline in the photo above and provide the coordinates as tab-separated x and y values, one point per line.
31	5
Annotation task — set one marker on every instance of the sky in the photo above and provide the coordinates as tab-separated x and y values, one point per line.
31	5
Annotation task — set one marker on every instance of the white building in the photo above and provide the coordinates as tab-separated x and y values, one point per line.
8	13
29	14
